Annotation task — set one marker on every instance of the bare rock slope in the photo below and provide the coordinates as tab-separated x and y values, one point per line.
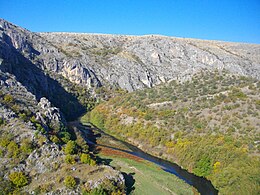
134	62
128	62
42	73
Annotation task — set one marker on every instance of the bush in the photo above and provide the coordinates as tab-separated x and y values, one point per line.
18	179
8	99
13	149
70	182
98	191
70	159
27	146
65	136
85	158
55	139
71	148
203	167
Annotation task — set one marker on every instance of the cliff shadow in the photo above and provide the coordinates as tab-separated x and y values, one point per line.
129	182
36	81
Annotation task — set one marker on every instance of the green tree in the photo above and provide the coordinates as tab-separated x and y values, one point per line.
40	128
18	179
71	148
70	182
98	191
203	167
13	149
85	158
23	116
33	119
65	136
70	159
27	146
1	121
8	99
4	141
55	139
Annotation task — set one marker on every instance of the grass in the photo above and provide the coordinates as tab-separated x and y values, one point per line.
211	119
142	177
148	178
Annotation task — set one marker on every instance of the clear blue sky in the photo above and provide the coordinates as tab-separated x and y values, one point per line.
228	20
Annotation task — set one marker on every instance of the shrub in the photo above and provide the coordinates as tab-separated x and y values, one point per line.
65	136
23	116
70	148
203	167
98	191
70	159
85	158
18	179
8	99
55	139
70	182
27	146
13	149
4	141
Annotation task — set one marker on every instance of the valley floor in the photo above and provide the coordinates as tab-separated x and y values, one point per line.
142	177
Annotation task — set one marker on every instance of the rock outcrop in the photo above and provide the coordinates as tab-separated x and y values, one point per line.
134	62
49	116
128	62
42	75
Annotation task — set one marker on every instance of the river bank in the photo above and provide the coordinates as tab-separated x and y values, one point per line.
103	140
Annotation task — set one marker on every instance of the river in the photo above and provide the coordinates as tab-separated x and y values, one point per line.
202	185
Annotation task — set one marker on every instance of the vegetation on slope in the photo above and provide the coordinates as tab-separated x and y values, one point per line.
27	145
209	125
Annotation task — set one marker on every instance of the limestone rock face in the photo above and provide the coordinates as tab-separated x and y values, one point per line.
108	174
43	54
128	62
37	68
48	115
5	113
45	157
134	62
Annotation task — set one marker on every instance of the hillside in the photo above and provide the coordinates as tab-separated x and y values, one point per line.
210	125
39	152
127	62
194	102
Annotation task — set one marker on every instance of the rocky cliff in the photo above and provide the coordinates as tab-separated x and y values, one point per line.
128	62
34	98
47	64
134	62
48	78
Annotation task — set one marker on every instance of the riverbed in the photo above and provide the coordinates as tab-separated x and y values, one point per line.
98	139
